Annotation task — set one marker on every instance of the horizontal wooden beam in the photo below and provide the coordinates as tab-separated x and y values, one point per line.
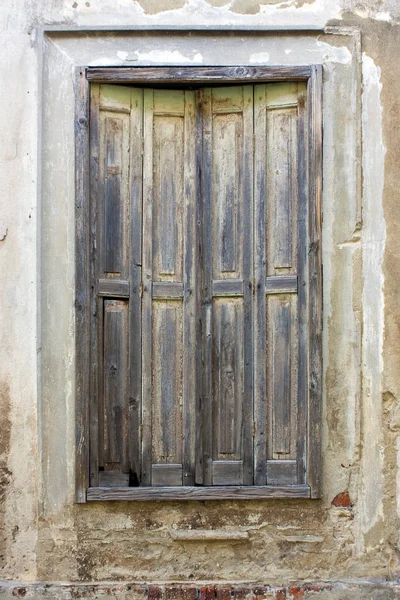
281	284
115	288
167	289
200	75
198	493
227	287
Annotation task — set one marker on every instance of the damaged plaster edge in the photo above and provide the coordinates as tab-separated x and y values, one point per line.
3	234
374	236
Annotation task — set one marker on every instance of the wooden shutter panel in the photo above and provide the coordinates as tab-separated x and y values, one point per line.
227	117
116	199
281	292
169	291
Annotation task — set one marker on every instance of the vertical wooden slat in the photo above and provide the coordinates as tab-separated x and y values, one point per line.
260	350
227	244
116	350
315	281
96	422
248	279
207	285
199	288
302	278
135	301
147	267
82	300
190	301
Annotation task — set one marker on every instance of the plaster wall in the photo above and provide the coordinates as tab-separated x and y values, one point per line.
44	535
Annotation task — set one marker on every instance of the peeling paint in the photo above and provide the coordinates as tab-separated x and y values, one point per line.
334	54
168	56
259	58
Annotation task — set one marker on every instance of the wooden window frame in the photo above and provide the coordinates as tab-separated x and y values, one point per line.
83	77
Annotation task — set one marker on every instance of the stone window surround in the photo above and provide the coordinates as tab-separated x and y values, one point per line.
60	61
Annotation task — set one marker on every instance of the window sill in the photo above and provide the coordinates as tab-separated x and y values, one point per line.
198	493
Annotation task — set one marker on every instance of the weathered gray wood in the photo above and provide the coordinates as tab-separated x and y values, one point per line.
82	275
114	172
279	373
114	288
227	287
227	378
191	305
198	74
248	276
302	270
228	156
168	141
96	306
147	273
315	281
282	183
166	289
282	472
163	474
281	284
198	293
169	177
167	383
228	472
113	479
260	336
206	267
135	300
198	493
116	348
172	274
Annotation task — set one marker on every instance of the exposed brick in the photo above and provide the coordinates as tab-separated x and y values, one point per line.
207	593
242	593
260	592
189	593
296	593
173	593
342	499
19	592
224	593
155	593
317	588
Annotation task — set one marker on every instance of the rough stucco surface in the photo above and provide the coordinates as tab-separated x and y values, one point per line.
44	535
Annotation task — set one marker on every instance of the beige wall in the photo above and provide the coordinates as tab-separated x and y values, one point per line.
45	536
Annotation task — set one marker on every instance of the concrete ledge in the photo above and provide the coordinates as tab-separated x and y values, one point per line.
194	535
334	590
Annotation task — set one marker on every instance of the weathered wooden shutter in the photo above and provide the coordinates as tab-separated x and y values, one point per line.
169	292
200	290
280	314
227	190
116	206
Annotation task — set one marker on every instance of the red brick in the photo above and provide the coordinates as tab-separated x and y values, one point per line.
173	593
189	593
224	593
155	593
317	588
342	499
241	593
260	592
296	592
207	593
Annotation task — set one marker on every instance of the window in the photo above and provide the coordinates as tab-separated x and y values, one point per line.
198	329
